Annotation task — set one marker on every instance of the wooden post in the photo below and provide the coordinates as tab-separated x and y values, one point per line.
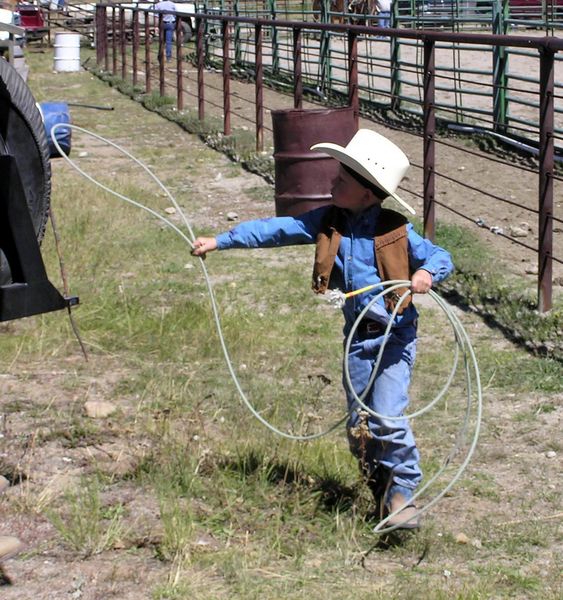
226	78
259	90
546	166
200	64
161	58
297	70
179	64
353	92
135	47
122	46
429	141
147	54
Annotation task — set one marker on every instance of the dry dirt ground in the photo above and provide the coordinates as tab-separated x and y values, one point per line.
513	455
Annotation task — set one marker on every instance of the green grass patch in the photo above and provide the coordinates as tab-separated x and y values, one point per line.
87	525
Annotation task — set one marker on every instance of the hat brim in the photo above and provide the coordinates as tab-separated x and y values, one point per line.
341	155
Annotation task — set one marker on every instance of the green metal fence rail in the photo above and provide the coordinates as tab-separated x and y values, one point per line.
494	88
495	95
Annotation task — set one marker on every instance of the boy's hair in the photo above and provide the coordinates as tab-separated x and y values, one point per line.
377	191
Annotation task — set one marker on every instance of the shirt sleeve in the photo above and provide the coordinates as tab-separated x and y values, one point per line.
272	232
423	254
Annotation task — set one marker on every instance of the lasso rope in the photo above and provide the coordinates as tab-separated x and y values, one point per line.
463	344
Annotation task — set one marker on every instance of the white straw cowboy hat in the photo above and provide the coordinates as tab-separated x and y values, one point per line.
375	158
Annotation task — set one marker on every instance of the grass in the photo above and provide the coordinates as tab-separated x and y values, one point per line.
236	511
87	525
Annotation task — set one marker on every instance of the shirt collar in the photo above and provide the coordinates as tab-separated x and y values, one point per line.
370	214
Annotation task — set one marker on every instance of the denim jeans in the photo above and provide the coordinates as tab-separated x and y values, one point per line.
383	18
384	443
168	36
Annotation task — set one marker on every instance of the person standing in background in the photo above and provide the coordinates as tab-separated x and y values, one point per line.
383	14
168	23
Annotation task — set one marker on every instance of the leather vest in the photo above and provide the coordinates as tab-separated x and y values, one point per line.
390	250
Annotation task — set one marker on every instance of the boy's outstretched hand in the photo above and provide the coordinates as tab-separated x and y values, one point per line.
421	282
203	245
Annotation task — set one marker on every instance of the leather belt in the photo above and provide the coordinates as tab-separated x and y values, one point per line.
370	329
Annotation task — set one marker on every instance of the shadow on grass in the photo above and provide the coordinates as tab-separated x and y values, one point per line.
514	316
331	494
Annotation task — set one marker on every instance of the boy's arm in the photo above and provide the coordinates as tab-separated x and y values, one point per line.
265	233
431	263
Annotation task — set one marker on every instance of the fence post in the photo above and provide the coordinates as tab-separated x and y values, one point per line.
238	50
179	62
161	78
297	70
135	48
353	97
395	58
259	90
113	41
207	34
122	43
226	78
106	45
274	39
324	49
147	53
544	15
500	67
429	141
200	63
101	34
546	164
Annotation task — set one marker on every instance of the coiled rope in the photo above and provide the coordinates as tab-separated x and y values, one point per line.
463	345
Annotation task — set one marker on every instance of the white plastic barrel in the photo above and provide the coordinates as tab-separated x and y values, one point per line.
67	51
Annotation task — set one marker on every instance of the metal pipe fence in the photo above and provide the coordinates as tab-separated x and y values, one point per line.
499	79
289	54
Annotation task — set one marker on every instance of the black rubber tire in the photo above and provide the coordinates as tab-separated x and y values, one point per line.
187	33
22	135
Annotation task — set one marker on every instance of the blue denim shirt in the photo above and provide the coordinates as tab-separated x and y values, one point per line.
355	266
168	7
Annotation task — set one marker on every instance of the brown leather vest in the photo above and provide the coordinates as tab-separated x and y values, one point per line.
390	248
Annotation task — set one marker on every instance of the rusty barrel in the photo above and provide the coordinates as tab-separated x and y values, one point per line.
304	178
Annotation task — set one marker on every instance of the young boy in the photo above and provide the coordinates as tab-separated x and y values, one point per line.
358	244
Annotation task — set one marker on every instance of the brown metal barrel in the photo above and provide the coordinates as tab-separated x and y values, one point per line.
304	178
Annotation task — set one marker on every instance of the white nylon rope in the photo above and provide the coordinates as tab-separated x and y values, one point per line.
463	344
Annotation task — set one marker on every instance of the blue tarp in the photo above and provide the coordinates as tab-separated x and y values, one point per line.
53	114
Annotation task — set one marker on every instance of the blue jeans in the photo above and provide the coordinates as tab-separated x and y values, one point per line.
168	36
381	443
383	18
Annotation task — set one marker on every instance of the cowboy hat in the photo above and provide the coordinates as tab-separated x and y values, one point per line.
375	158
